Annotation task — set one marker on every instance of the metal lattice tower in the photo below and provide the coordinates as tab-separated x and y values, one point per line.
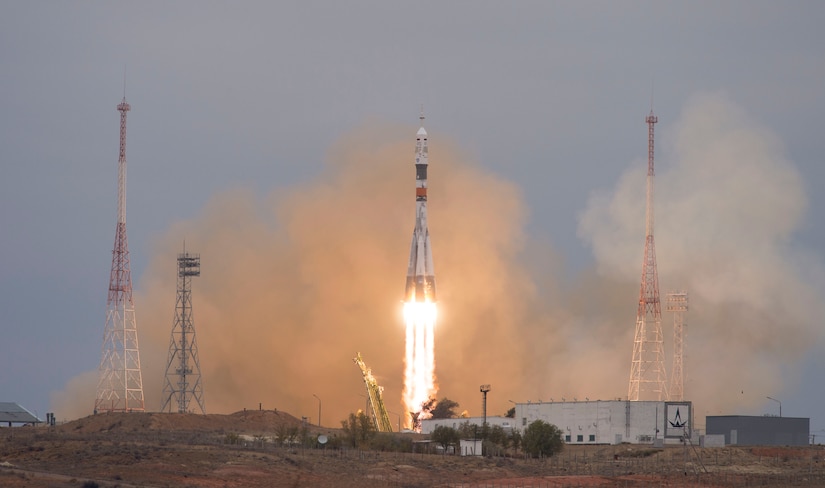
647	368
183	382
120	385
677	302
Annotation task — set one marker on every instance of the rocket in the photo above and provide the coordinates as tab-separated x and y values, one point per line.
420	273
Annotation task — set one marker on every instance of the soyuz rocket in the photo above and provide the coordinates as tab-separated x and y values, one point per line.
420	273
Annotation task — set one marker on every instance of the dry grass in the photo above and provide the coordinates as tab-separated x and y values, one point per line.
238	450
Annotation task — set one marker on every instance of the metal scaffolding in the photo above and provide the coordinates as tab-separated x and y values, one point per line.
184	382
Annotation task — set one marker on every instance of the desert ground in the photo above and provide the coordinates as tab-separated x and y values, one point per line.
243	450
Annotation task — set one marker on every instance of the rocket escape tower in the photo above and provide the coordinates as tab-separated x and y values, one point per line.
647	369
183	381
677	302
120	385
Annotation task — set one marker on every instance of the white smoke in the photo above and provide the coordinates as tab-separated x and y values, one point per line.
727	204
296	283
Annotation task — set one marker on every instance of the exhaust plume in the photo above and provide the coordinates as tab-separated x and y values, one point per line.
296	282
728	202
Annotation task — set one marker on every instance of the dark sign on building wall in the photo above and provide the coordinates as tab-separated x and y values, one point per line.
678	420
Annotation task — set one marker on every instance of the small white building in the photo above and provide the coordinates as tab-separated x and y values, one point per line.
470	447
428	425
611	421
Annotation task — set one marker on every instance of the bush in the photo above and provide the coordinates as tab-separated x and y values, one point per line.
445	436
541	439
358	430
390	442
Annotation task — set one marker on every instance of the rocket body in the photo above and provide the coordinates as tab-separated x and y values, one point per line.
419	301
420	273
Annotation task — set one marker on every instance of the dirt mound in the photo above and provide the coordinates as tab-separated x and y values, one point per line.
246	421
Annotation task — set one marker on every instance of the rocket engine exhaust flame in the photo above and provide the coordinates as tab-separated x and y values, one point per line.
419	296
419	366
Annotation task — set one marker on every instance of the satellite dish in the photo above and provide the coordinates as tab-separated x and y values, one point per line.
322	439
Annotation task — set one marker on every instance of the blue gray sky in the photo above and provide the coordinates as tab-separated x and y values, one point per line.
242	111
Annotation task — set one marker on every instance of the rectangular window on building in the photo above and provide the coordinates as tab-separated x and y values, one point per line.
579	438
524	421
592	438
567	438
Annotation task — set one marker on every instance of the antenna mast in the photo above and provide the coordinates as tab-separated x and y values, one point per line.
120	384
647	369
183	372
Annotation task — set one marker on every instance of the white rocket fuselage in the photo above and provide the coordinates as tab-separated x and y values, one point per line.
420	274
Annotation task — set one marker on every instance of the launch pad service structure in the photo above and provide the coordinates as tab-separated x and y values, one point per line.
120	384
420	296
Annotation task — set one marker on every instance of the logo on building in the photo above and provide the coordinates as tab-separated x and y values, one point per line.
677	419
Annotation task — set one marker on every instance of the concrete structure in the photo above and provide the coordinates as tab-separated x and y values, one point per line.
712	440
747	430
428	425
612	421
470	447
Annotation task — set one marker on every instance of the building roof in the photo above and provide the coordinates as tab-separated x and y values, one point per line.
11	412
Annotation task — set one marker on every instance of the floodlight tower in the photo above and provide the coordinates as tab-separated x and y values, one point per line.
183	372
484	389
120	384
647	368
677	302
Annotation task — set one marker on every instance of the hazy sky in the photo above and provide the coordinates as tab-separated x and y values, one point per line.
541	104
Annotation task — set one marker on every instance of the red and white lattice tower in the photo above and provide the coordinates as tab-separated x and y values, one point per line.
120	387
647	368
677	303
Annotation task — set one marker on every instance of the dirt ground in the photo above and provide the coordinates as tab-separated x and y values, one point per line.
238	450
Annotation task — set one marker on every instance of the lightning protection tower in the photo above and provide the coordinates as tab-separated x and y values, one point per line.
120	385
677	302
647	369
183	382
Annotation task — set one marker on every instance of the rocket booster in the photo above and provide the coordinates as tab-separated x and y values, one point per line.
420	274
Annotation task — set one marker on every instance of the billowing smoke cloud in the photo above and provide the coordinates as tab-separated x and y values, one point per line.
293	285
727	203
297	282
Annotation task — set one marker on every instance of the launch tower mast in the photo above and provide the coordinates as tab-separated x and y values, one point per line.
375	392
183	372
120	385
677	302
647	369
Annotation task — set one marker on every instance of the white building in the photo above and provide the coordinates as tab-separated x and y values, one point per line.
612	421
470	447
428	425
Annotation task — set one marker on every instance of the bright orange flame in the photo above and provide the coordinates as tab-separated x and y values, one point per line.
419	370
